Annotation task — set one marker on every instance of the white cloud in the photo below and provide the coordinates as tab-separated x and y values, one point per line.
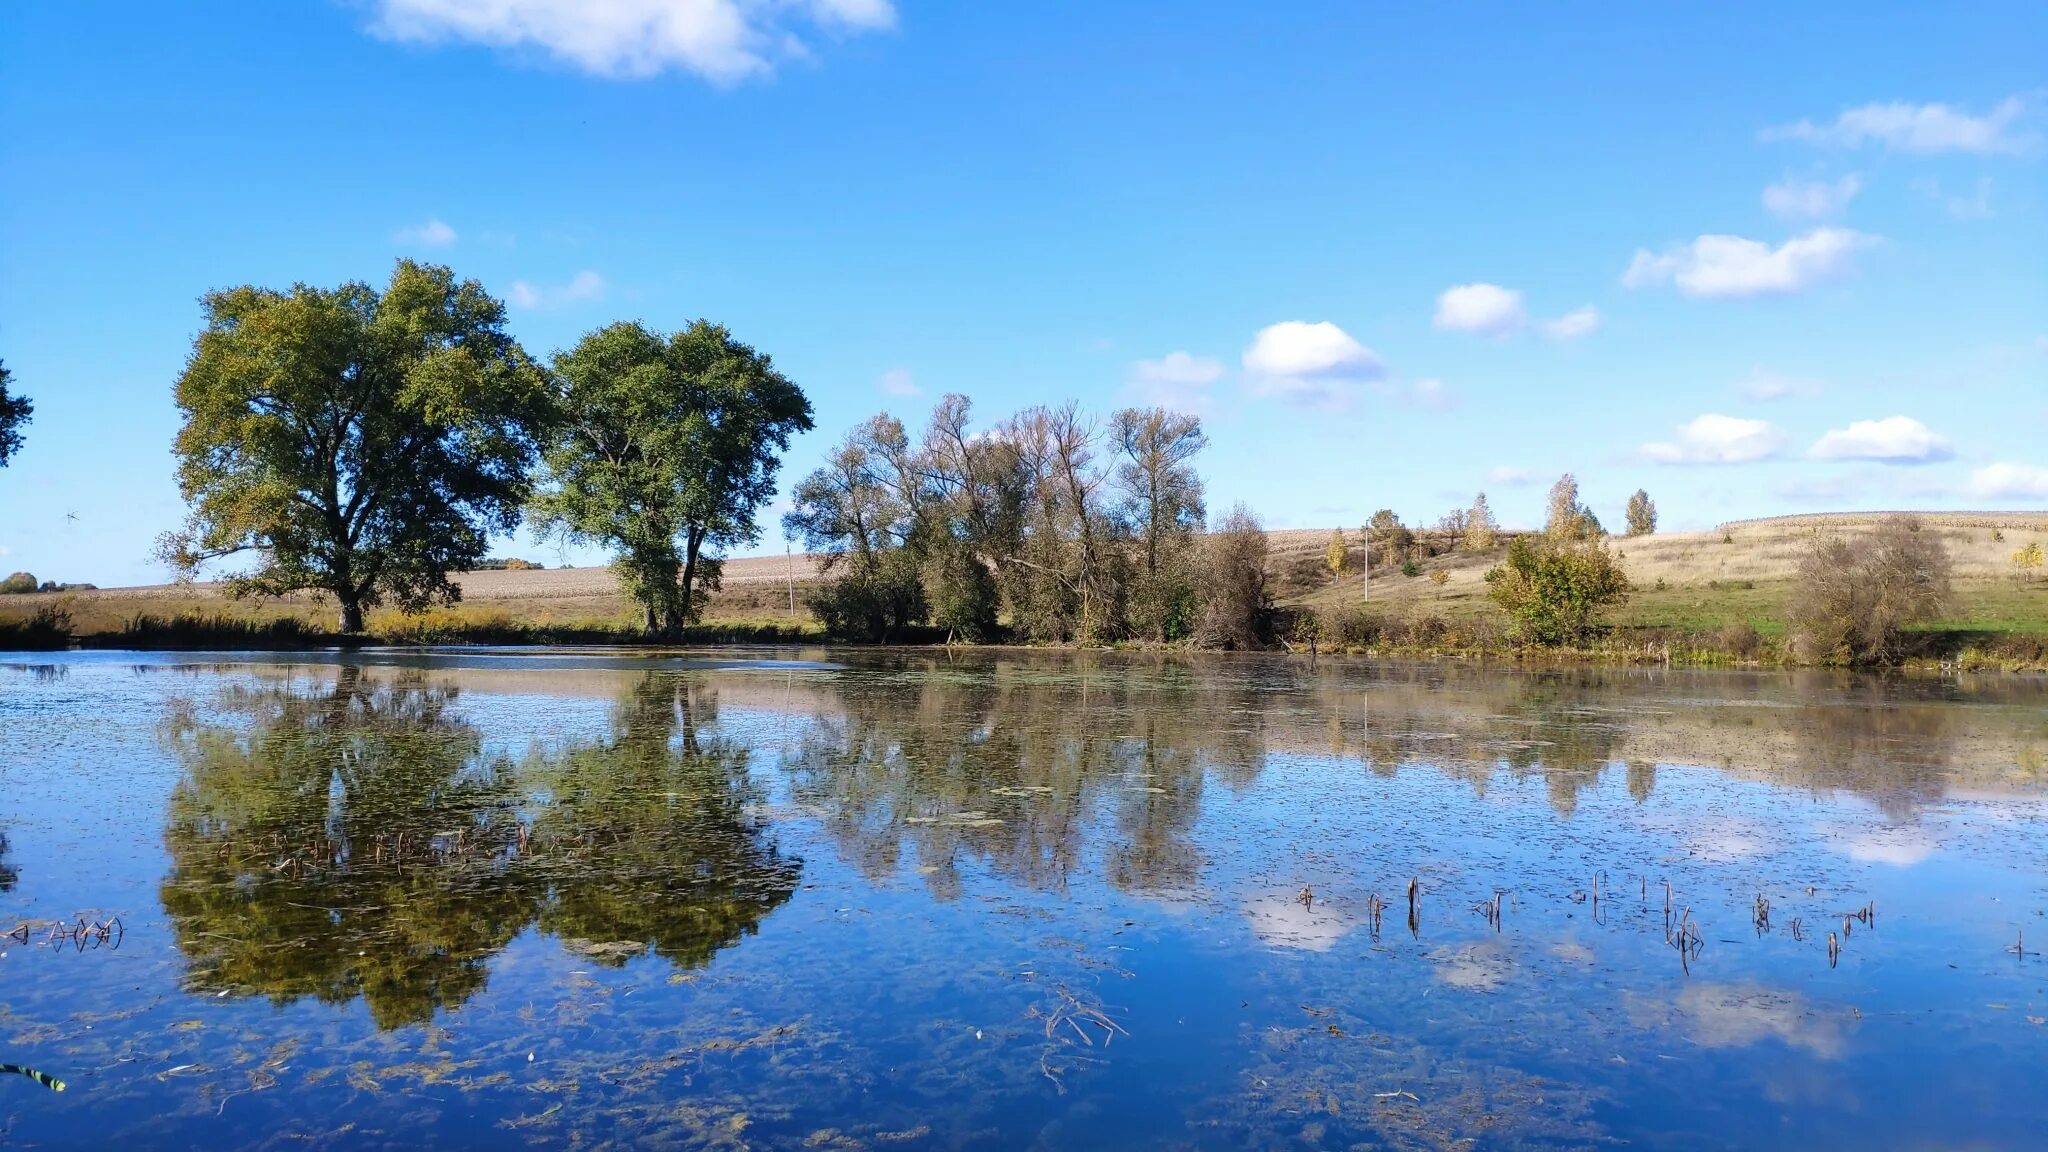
2009	482
1795	198
724	41
1717	439
1308	363
585	285
1487	309
1894	440
1507	477
1976	206
1572	325
899	382
1713	266
431	234
1925	128
1431	394
1177	380
1764	386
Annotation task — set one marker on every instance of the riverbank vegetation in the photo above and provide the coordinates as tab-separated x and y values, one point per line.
351	454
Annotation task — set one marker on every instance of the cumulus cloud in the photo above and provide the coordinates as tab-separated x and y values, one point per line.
431	234
899	382
725	41
1177	380
2004	481
1794	198
584	286
1723	266
1893	440
1308	363
1574	324
1487	309
1923	128
1717	439
1764	387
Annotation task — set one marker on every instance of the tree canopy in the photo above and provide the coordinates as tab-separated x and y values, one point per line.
667	448
357	442
14	412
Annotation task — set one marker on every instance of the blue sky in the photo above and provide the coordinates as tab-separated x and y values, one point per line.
1753	259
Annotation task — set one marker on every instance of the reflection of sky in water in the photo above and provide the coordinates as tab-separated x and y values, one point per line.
909	902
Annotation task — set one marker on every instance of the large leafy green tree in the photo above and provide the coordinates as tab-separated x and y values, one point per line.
14	412
357	442
668	447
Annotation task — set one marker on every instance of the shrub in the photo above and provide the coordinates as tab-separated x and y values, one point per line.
47	630
1410	568
1855	600
1351	626
18	583
872	603
1740	640
1555	590
1235	609
2026	562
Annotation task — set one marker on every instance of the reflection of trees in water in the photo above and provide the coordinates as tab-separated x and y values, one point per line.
8	875
350	843
1895	740
1007	764
354	841
647	838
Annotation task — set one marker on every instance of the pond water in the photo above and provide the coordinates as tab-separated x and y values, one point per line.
901	901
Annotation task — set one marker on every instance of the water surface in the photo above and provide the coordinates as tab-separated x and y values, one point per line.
862	900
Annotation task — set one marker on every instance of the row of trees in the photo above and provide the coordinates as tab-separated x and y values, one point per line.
1071	529
367	443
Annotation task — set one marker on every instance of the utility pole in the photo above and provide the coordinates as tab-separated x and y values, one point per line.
1365	534
790	569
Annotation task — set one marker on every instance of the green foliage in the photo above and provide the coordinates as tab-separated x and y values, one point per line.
1555	590
1410	569
874	601
1394	539
1162	511
1337	555
360	442
19	583
15	411
666	450
1642	514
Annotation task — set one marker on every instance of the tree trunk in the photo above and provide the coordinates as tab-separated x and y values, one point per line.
694	541
351	612
652	627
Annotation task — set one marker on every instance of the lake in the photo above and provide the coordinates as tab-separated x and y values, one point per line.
860	900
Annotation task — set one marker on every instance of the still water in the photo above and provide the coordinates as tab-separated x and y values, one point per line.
840	900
